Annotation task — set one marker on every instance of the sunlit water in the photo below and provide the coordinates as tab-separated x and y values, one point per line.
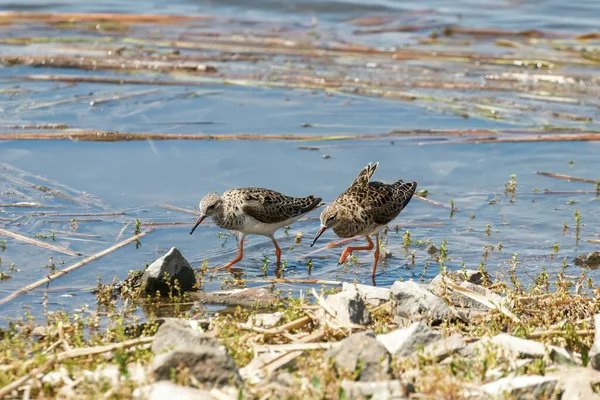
137	177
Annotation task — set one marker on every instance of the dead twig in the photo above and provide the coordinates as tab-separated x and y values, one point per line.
568	177
73	267
173	208
435	203
17	383
482	299
25	239
538	335
295	346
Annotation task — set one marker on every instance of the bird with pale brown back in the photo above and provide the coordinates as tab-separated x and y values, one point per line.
364	209
254	211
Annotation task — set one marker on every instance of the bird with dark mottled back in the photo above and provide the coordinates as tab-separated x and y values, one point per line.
254	211
364	209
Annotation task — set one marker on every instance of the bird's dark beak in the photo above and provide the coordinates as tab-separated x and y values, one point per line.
202	217
319	233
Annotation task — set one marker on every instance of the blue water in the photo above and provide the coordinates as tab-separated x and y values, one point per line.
137	177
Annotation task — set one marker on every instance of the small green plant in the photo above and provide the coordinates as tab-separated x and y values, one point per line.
407	240
138	226
510	187
51	265
3	245
265	265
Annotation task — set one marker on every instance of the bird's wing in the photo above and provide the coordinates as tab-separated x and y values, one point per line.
386	201
365	175
271	207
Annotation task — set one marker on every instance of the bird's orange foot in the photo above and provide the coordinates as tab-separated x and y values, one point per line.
345	254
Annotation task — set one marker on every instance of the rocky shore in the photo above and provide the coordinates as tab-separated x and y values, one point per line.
458	336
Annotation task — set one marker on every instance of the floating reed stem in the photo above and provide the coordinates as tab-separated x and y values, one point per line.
25	239
73	267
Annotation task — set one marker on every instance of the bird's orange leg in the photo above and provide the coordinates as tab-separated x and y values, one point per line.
277	253
235	260
348	250
376	256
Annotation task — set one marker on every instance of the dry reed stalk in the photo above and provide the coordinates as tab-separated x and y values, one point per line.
173	208
98	17
538	335
590	137
73	353
73	267
435	203
91	63
35	126
298	280
22	204
47	246
568	177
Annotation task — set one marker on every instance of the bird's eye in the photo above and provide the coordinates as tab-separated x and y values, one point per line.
331	218
210	207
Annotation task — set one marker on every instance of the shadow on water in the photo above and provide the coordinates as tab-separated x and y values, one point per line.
86	196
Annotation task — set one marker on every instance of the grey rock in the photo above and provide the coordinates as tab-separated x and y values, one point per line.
474	276
374	358
373	295
384	390
413	302
469	279
208	366
207	359
162	273
576	383
175	334
444	348
349	307
463	301
508	371
522	348
404	342
595	350
590	260
522	387
248	297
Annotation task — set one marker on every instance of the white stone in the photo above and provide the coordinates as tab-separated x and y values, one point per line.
373	295
384	390
595	350
523	348
349	308
533	386
441	349
414	302
403	342
265	320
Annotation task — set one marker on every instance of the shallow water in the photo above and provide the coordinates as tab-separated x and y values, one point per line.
138	177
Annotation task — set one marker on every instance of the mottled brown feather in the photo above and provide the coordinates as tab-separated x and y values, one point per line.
366	205
271	207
